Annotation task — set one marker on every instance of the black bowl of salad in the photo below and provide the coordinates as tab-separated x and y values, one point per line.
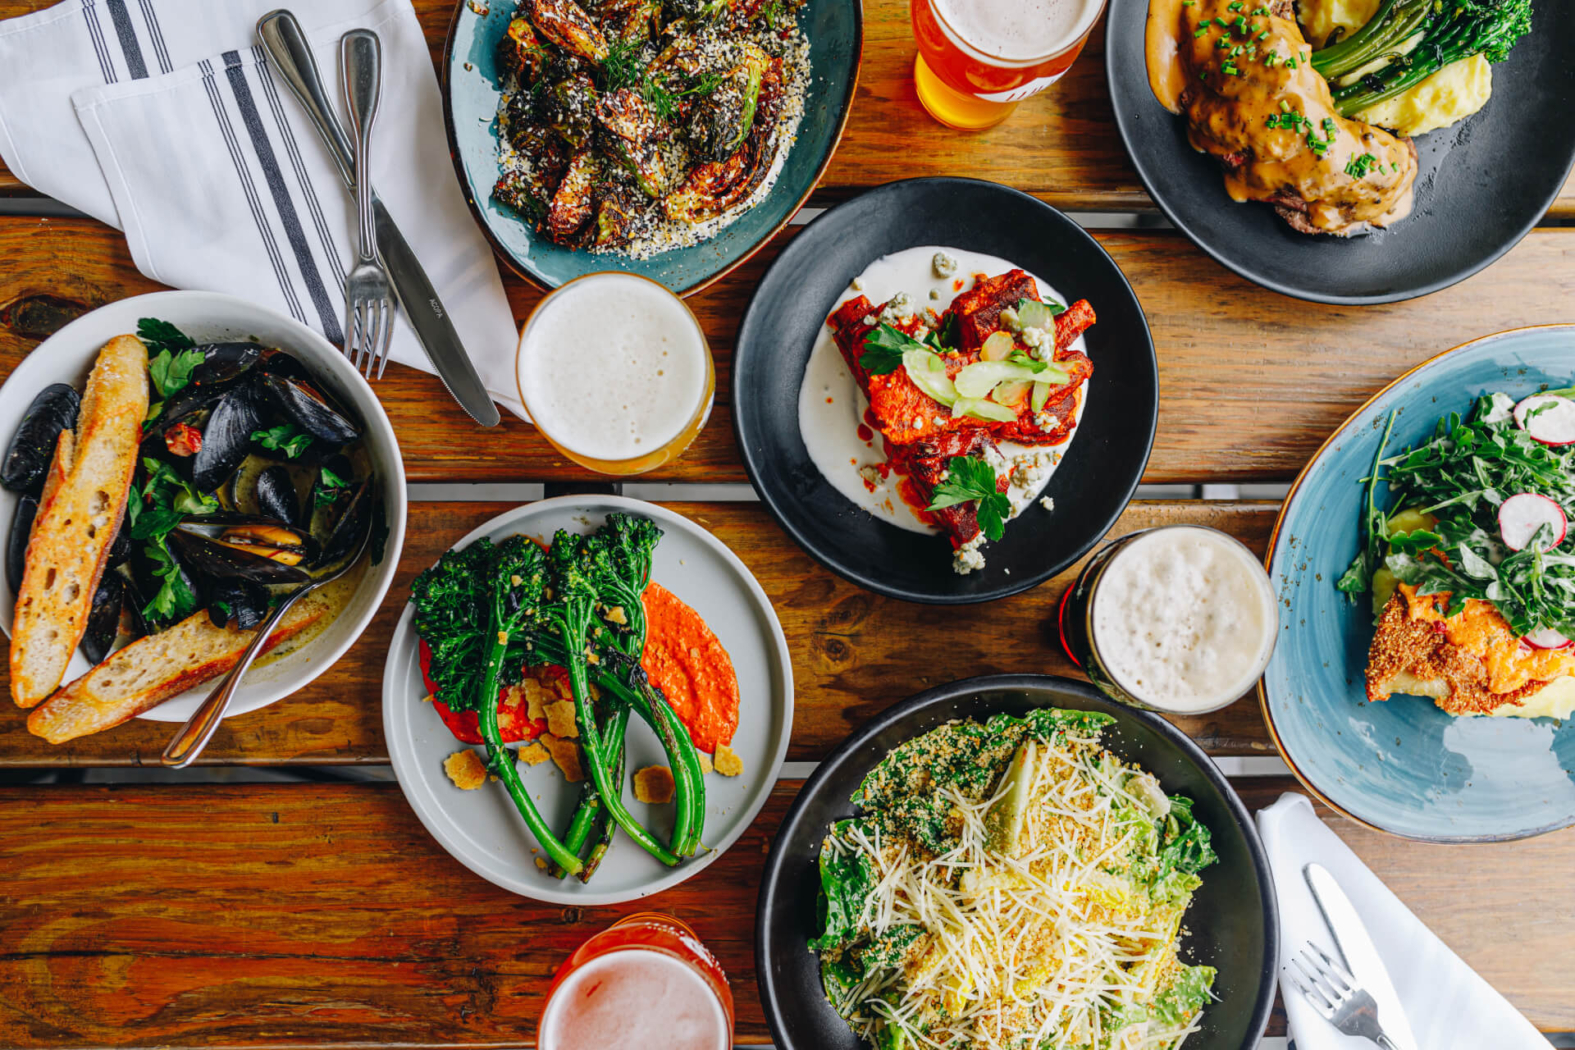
957	790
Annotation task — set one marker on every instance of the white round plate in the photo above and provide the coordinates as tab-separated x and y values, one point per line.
483	830
68	356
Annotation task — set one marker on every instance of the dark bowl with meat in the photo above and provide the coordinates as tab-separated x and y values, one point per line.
1114	433
1480	185
589	136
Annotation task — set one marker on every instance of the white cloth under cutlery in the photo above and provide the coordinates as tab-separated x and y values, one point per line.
1448	1005
164	118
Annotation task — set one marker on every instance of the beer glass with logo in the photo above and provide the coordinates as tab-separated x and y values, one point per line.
979	58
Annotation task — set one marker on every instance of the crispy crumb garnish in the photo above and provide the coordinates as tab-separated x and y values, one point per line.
535	705
566	756
532	754
560	719
654	785
541	862
705	762
727	761
466	770
428	698
616	615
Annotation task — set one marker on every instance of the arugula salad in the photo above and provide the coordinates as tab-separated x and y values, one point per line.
1012	884
1478	511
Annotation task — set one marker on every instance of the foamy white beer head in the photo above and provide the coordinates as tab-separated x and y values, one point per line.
634	998
613	366
1017	30
1184	618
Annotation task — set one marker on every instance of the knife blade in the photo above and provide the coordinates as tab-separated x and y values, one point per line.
1361	956
282	36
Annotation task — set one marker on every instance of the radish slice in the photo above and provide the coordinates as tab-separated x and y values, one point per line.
1553	422
1519	518
1546	638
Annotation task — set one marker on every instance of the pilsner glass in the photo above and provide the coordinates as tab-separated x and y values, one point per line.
979	58
645	981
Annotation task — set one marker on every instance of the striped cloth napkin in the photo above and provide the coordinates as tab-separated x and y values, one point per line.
165	119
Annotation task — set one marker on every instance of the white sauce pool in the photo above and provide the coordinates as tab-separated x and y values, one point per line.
613	367
831	406
1184	618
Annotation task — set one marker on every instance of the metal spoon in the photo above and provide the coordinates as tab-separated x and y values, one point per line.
194	735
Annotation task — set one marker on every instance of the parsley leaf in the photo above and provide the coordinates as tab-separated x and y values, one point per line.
974	481
166	499
286	437
171	372
329	486
161	336
883	350
175	600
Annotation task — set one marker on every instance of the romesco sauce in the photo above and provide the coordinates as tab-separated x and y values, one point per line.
686	660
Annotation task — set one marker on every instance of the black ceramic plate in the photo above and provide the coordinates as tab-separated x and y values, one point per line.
1233	922
1483	183
1102	467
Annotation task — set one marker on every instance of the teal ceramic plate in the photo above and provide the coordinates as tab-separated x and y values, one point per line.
835	29
1404	766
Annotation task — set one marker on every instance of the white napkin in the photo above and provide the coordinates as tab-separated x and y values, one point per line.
1448	1005
165	119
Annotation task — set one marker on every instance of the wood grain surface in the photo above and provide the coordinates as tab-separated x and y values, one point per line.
1062	145
1251	382
854	653
324	915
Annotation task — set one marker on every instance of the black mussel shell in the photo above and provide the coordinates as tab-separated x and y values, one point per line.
325	502
28	458
348	527
227	437
224	363
277	362
309	413
103	621
211	560
277	497
242	601
16	544
183	406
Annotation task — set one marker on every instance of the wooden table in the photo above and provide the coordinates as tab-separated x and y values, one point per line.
321	914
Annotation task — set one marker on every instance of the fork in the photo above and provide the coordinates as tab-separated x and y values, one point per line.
1331	990
369	301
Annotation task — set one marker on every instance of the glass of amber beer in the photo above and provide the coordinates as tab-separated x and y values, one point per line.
979	58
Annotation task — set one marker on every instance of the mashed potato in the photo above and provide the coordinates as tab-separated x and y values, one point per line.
1452	94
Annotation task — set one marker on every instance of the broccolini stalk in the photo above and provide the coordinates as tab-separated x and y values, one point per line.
467	607
1407	41
571	616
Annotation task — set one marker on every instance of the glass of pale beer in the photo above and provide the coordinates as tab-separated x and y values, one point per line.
979	58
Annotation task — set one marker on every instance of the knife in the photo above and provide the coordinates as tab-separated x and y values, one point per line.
1361	957
281	34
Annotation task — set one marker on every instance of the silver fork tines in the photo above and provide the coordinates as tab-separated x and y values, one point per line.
1331	990
369	301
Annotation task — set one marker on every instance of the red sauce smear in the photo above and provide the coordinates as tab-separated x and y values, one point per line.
513	726
686	660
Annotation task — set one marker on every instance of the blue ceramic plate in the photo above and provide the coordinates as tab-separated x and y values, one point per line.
835	29
1404	766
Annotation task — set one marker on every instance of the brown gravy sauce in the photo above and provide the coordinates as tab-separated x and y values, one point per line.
1225	65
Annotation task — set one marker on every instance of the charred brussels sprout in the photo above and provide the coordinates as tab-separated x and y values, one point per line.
528	189
615	216
520	51
566	24
571	204
571	104
630	22
722	119
630	132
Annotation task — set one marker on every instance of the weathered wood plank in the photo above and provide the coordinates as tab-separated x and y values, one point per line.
1061	146
854	653
323	915
1250	382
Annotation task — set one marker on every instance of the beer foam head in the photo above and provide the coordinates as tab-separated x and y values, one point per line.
1018	30
613	367
634	998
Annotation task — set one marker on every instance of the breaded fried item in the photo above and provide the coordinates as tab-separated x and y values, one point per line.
1415	656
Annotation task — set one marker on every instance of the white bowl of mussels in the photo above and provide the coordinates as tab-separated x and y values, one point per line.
262	455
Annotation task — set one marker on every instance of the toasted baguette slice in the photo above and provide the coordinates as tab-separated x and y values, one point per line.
59	467
77	524
152	669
